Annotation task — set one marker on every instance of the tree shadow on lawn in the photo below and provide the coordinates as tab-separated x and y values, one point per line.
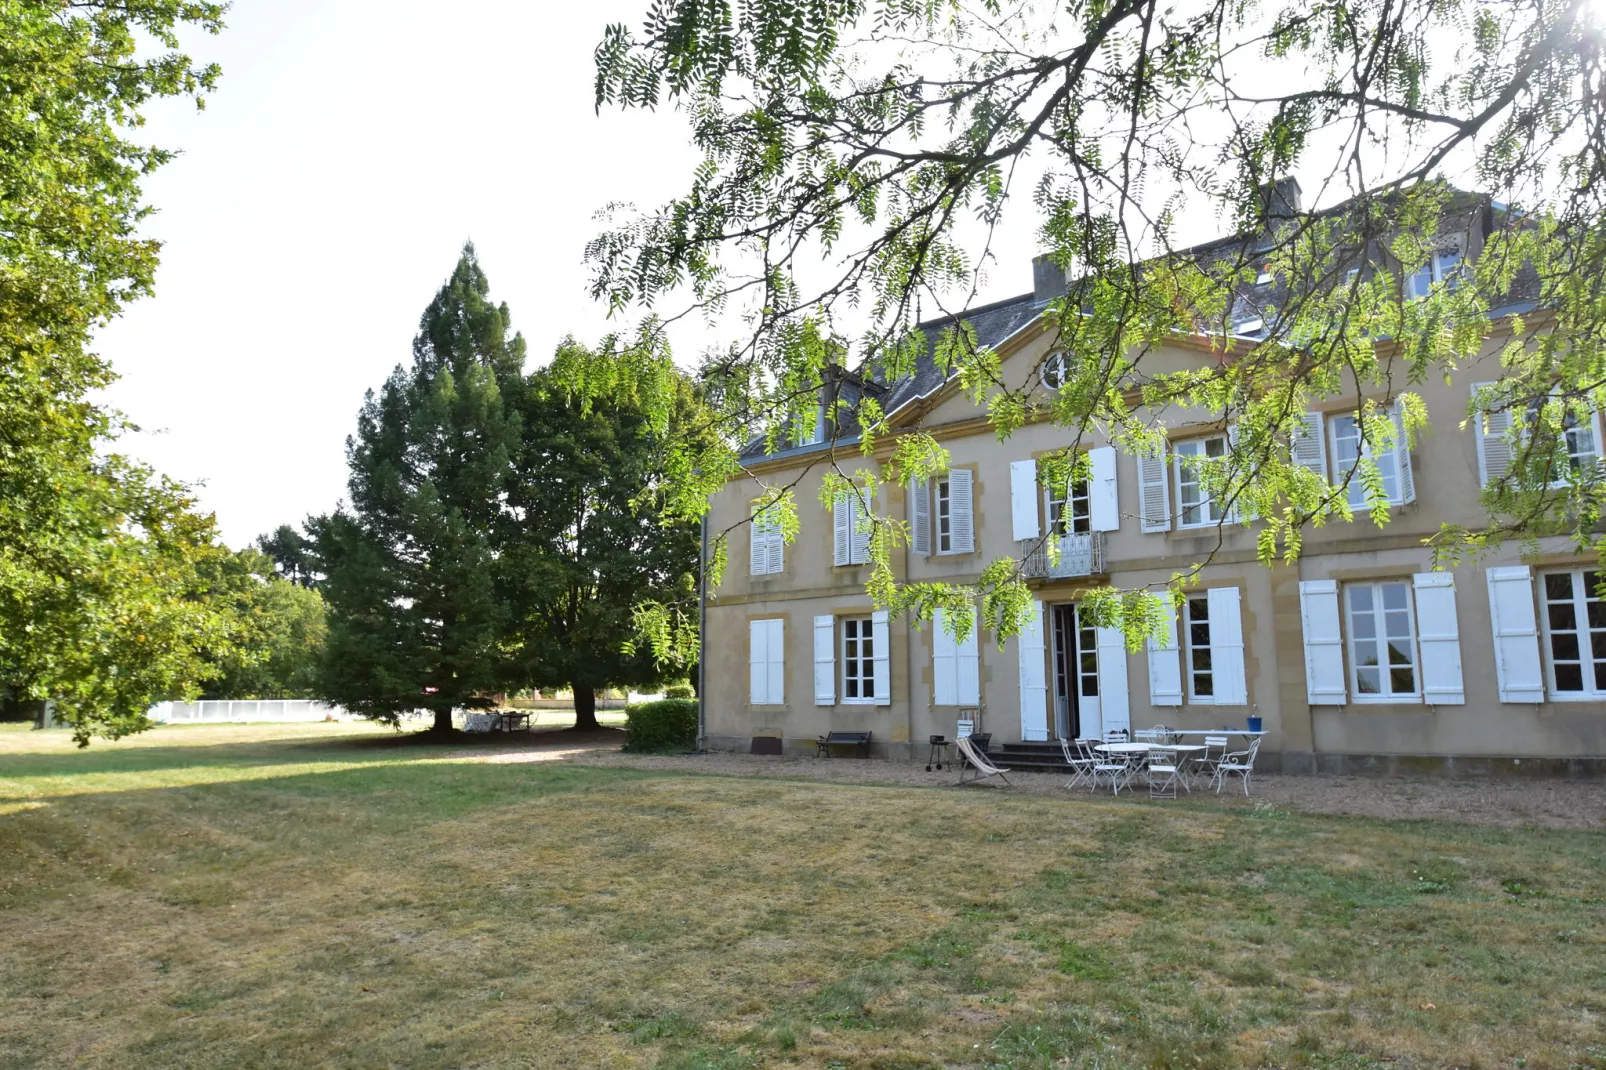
100	766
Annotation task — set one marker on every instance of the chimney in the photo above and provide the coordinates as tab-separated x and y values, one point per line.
1048	279
1281	198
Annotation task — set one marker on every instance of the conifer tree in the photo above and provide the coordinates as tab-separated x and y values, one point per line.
416	619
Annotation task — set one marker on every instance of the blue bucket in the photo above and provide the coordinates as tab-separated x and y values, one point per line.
1254	724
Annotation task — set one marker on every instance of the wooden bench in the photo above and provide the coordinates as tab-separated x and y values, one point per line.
843	739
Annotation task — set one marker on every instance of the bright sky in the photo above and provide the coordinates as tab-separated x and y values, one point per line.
323	197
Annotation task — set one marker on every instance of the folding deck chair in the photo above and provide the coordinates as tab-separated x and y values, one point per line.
977	763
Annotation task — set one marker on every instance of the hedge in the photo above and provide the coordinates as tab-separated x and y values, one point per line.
668	724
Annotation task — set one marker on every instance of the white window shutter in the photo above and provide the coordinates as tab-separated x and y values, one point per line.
776	547
1023	499
1115	705
1439	636
880	662
1324	643
758	684
1516	634
920	517
758	552
1310	445
968	664
1154	495
1033	673
825	661
962	514
1104	506
859	551
1402	455
842	526
1227	646
1165	667
1494	442
944	663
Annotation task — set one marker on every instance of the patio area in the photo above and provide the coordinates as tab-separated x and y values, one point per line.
1502	803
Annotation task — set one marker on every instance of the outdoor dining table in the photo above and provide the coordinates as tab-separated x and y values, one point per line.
1178	749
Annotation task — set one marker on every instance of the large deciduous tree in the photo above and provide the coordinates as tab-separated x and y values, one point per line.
416	620
591	545
282	626
102	608
861	155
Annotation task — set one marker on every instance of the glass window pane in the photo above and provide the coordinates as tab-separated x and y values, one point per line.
1597	614
1402	682
1564	646
1399	654
1597	645
1394	596
1366	653
1199	634
1202	685
1360	599
1559	586
1199	608
1201	659
1366	682
1364	626
1397	625
1561	615
1569	677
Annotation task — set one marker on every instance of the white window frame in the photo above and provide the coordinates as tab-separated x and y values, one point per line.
1577	459
1441	266
1388	462
858	667
1191	646
1380	636
1582	596
943	514
1205	504
1079	502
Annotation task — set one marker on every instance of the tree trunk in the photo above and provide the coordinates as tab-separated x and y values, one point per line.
585	706
443	721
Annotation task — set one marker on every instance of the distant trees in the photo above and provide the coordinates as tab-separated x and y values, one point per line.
291	553
282	628
502	532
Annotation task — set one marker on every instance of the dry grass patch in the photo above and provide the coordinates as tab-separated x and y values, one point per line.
344	904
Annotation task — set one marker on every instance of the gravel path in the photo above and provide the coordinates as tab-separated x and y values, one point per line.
1544	803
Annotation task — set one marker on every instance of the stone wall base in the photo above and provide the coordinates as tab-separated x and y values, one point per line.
1293	763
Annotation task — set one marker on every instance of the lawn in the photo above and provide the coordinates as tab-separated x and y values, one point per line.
267	896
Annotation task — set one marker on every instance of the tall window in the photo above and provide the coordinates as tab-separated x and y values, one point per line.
1577	435
1443	266
1197	507
1382	641
1575	633
1349	447
1072	514
1201	670
858	660
945	517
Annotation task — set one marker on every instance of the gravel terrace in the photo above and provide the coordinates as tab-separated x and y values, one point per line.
1507	803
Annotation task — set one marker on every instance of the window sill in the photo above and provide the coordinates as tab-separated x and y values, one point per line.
1410	701
857	702
1570	698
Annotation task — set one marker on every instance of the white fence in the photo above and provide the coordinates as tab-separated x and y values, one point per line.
274	709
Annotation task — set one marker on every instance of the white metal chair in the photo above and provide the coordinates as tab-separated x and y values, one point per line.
1240	763
976	762
1112	769
1080	757
1165	734
1117	735
1162	771
1215	748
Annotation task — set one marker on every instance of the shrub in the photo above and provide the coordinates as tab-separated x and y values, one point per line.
679	690
668	724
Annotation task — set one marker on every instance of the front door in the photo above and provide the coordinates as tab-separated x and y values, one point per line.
1076	676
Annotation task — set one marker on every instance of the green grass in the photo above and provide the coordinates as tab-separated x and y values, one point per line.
265	896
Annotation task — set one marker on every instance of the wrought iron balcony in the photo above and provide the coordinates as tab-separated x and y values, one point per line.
1079	555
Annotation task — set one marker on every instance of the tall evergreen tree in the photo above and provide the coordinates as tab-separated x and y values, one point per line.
416	620
589	541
